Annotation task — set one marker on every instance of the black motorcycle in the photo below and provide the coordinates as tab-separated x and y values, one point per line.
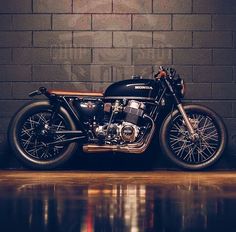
44	134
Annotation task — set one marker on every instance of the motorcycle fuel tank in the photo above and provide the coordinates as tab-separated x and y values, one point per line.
133	88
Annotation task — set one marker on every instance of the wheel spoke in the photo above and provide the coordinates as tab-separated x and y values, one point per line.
194	152
34	143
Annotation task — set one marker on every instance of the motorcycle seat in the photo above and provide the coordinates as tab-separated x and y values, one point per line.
75	93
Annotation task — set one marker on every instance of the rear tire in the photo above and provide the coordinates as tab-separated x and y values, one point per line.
28	147
202	153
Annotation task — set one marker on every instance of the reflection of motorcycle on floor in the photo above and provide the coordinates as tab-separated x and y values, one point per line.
118	200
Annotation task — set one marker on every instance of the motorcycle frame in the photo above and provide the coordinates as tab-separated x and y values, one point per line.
65	101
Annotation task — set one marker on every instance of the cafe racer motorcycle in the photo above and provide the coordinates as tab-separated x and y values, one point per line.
44	134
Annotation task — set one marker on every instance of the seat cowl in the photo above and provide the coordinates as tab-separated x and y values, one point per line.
75	93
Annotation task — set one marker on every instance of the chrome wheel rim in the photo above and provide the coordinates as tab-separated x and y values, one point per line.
192	151
34	135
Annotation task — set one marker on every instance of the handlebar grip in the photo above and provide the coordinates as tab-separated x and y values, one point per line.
40	91
161	74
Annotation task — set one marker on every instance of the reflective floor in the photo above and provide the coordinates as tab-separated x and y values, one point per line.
117	201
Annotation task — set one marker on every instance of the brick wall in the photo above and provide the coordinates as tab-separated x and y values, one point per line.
88	44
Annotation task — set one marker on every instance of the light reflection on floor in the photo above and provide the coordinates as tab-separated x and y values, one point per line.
121	201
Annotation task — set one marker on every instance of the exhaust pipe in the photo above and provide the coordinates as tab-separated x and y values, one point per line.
135	148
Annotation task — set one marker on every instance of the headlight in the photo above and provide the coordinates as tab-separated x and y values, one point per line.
179	86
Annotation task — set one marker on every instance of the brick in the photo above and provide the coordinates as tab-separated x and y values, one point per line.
192	22
6	90
151	22
3	142
234	38
223	108
152	56
15	73
50	6
224	56
15	6
71	22
71	56
212	39
91	6
5	55
5	22
224	22
4	122
234	73
12	107
192	56
132	6
92	73
172	39
111	22
172	6
126	72
212	74
21	90
132	39
111	56
31	56
212	6
198	91
31	22
73	86
52	39
185	72
52	73
15	39
92	39
100	87
224	91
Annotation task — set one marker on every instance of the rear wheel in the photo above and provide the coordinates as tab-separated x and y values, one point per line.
29	135
198	153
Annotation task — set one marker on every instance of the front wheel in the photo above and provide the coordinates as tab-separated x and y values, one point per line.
201	152
28	135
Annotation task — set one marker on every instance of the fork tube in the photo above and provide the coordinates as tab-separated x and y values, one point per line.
181	109
186	120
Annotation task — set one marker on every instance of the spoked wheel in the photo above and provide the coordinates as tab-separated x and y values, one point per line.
34	135
201	151
33	139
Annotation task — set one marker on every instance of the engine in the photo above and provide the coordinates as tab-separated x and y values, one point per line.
126	128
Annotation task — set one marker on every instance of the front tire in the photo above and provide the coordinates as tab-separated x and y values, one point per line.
176	143
27	140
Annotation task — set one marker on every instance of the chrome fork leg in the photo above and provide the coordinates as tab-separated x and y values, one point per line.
186	120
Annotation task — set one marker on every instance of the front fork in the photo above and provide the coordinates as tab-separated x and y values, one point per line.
193	134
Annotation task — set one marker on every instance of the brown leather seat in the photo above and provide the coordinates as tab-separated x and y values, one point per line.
75	93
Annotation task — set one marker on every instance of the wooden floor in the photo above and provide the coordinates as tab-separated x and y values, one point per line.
117	201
